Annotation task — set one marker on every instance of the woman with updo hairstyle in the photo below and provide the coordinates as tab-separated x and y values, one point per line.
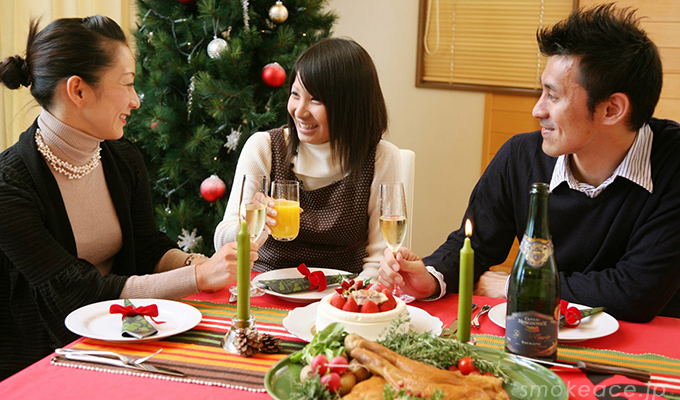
332	145
77	222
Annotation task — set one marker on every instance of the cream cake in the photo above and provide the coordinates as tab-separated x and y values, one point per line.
369	325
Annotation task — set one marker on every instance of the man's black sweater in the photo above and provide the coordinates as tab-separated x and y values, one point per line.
620	249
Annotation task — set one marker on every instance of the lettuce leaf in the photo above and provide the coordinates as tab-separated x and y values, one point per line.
329	342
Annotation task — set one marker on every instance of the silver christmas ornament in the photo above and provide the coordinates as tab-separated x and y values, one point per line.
278	13
216	47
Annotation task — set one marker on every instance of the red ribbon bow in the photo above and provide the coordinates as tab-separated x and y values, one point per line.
572	315
317	280
150	311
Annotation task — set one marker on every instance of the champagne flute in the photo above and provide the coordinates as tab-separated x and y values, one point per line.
393	223
252	208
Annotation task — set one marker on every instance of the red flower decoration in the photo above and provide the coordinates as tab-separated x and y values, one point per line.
150	311
317	280
572	315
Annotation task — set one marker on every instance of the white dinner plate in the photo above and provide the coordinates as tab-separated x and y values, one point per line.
300	297
94	320
301	320
593	327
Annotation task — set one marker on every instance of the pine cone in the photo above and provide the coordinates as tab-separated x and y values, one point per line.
247	343
270	344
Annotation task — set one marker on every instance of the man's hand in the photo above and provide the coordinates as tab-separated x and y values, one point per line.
492	284
407	271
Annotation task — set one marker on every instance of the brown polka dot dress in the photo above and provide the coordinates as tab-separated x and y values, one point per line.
333	226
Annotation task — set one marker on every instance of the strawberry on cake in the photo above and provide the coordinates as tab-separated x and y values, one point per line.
368	312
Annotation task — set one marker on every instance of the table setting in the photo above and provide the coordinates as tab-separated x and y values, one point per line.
198	352
207	346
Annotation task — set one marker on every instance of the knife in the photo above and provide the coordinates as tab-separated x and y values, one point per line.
596	368
118	363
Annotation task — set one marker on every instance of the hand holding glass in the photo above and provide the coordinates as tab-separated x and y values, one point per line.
286	195
252	208
253	203
393	222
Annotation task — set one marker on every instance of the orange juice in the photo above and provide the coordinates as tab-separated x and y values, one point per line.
287	220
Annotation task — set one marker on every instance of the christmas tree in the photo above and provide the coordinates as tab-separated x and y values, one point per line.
210	73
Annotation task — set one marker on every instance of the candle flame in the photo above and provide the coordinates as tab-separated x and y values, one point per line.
468	228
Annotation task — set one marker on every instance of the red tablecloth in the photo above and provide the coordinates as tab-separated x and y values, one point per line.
43	380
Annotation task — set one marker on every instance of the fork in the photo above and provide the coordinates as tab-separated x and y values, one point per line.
123	358
485	309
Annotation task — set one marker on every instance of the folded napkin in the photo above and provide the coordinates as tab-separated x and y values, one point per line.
134	323
309	281
571	316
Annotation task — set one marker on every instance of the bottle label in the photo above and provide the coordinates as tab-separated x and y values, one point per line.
531	334
536	251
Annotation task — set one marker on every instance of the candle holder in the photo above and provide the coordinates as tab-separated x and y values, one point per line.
238	327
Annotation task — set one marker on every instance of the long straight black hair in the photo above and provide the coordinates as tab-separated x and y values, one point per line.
341	75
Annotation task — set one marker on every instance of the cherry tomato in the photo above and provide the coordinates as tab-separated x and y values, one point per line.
488	374
466	365
453	368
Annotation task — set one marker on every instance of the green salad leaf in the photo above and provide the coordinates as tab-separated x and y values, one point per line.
329	342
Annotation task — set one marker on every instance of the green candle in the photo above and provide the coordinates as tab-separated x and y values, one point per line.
467	266
243	273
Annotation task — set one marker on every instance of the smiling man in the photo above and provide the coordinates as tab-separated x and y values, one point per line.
614	174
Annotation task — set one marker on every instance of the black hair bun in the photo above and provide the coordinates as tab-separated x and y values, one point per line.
14	72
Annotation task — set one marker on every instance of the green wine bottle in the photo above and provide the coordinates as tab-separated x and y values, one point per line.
533	308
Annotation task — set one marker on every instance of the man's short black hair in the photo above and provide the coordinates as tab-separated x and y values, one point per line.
615	54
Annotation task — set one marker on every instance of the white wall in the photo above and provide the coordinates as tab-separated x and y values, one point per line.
443	127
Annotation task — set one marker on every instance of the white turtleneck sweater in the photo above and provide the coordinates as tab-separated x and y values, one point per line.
94	221
315	167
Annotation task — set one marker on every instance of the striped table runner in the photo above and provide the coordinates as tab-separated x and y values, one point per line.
198	353
654	363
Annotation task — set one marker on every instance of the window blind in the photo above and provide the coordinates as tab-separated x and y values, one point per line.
484	44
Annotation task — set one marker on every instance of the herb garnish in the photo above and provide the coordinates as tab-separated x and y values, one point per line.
391	394
441	352
312	389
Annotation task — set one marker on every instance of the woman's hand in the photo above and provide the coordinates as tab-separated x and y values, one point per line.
271	214
219	270
407	271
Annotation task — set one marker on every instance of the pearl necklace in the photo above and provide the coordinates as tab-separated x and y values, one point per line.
61	166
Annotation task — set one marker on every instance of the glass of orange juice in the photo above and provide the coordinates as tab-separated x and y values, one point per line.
286	195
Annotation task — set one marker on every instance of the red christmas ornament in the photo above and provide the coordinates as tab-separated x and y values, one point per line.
213	188
154	124
186	1
273	75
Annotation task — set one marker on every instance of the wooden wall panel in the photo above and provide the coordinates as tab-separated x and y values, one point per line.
505	116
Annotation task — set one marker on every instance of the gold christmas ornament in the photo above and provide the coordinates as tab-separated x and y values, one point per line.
278	13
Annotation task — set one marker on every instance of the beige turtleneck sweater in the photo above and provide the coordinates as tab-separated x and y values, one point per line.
94	220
